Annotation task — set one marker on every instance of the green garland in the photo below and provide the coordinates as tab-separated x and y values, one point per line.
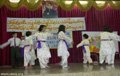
34	6
13	6
88	6
101	7
2	2
66	7
115	6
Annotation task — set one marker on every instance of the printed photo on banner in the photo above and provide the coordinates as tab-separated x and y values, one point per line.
53	41
94	38
49	9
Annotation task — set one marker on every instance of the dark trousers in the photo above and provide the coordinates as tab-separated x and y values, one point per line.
21	57
15	56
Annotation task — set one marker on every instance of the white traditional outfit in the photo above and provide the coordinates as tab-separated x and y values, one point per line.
43	51
29	52
107	47
86	50
63	48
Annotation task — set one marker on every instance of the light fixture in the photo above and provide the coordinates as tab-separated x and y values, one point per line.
68	2
83	2
113	2
49	0
32	1
14	1
100	3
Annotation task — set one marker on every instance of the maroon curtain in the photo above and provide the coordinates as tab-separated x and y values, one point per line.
95	20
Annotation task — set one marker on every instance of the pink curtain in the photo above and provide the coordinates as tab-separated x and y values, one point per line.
95	20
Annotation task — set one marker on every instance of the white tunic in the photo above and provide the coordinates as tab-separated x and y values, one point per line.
44	51
22	43
62	48
28	41
86	44
114	38
29	52
107	45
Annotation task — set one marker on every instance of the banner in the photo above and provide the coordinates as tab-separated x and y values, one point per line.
32	24
95	41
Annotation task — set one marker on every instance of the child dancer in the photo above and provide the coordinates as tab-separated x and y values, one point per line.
43	52
29	54
62	46
107	46
86	53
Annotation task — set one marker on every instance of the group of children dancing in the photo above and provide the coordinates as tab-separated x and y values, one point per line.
28	47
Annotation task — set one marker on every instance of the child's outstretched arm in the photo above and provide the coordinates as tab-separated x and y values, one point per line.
80	44
5	44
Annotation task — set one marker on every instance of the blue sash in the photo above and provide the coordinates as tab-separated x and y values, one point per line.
66	43
84	50
39	44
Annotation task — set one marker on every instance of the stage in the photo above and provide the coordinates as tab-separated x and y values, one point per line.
75	69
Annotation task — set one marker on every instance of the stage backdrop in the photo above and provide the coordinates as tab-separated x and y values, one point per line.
95	21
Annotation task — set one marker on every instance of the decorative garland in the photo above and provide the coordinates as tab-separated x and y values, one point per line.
86	7
66	6
13	6
115	6
2	2
34	6
100	7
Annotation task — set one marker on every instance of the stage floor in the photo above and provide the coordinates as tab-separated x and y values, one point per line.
75	69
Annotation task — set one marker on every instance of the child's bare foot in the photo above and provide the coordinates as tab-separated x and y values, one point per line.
30	66
26	68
